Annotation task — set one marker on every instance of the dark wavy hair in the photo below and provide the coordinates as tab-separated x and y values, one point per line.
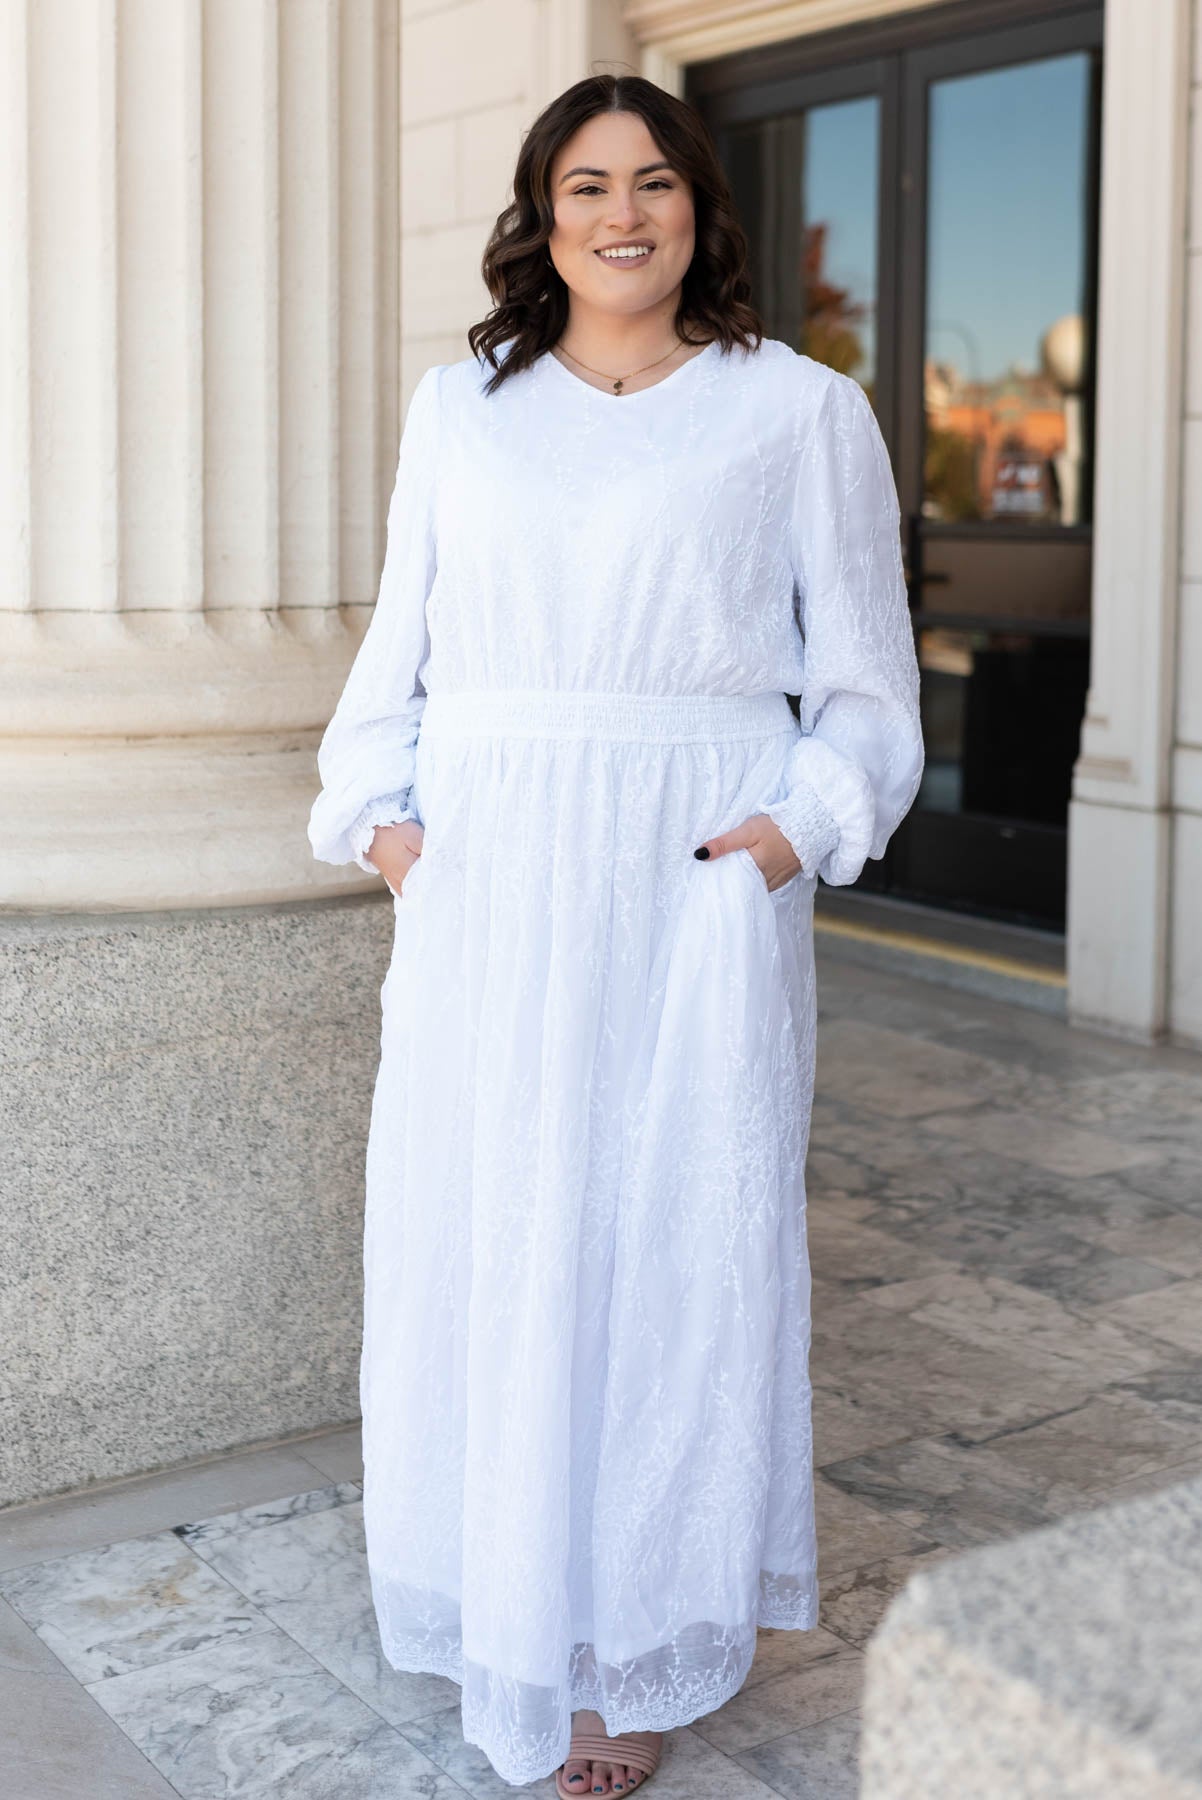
530	297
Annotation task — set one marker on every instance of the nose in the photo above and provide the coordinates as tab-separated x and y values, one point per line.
625	212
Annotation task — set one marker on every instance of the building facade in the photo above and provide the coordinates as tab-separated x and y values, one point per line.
982	209
238	231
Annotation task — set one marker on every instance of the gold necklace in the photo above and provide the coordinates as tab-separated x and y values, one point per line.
619	379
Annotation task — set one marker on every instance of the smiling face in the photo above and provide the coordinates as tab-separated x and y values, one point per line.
612	188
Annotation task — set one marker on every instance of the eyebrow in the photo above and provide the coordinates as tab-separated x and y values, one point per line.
645	170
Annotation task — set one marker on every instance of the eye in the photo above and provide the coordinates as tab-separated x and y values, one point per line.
590	187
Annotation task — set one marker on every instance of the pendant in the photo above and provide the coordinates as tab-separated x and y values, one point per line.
618	385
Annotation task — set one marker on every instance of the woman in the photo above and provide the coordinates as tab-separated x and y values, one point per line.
566	744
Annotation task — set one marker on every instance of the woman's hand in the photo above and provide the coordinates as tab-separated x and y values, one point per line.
394	849
770	849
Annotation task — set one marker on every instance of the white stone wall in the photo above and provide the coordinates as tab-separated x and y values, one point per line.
1122	841
475	74
1185	986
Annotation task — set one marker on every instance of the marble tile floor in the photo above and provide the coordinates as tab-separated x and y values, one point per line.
1005	1225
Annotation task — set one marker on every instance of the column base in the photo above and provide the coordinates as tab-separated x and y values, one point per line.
1117	919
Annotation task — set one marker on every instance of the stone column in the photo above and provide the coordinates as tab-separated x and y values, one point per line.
1121	840
200	404
1185	986
199	408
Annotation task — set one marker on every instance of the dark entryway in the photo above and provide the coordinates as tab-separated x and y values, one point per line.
921	196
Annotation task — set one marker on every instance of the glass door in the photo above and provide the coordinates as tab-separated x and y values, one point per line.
925	220
995	340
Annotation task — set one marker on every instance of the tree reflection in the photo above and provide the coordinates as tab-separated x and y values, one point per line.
831	318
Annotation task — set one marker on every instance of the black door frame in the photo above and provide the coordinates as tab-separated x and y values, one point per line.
894	60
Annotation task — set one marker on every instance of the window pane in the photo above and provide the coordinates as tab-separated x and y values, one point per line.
839	236
1006	269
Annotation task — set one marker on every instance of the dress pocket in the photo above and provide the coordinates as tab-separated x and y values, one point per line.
725	939
753	869
412	879
406	941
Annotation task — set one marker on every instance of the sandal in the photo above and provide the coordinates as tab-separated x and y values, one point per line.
592	1746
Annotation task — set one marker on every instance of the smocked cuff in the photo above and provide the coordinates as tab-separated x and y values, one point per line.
388	809
807	822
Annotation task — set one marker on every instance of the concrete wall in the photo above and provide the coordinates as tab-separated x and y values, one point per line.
1057	1665
186	1101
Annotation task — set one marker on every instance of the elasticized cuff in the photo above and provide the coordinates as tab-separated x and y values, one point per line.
809	825
388	809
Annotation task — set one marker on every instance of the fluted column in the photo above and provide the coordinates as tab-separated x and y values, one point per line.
199	410
1121	838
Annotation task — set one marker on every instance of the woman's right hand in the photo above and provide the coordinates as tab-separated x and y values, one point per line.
394	849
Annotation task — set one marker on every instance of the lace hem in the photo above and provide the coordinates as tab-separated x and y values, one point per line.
678	1700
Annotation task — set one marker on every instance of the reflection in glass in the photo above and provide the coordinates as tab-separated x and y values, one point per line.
1001	716
1005	356
838	274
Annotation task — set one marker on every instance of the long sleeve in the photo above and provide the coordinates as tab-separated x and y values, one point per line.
366	758
853	774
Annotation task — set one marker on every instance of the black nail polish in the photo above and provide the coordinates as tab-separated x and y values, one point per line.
701	854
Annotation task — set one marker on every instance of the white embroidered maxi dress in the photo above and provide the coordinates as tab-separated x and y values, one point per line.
584	1380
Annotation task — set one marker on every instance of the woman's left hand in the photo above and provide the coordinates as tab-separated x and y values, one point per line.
770	849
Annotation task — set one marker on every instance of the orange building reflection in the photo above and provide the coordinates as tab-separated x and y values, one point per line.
992	445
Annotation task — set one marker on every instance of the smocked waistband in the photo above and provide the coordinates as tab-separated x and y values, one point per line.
583	713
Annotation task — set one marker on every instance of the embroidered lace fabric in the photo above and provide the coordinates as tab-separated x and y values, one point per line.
585	1385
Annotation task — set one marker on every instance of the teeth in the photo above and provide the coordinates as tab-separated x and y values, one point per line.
627	251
